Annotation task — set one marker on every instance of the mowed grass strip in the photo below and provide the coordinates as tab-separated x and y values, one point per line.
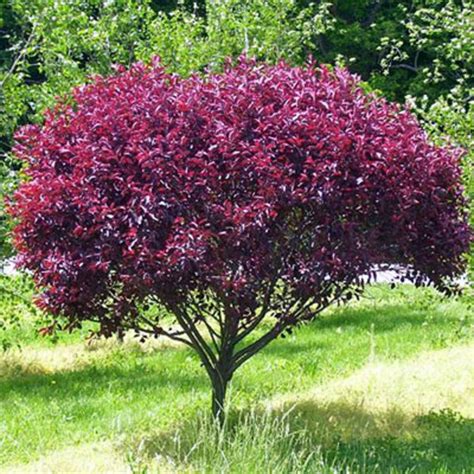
383	399
122	390
93	458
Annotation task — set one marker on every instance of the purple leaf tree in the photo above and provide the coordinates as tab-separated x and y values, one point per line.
242	204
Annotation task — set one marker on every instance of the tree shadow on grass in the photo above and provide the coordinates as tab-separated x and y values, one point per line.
96	374
307	437
47	411
392	441
383	317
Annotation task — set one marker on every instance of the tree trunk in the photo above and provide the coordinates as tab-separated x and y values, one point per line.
220	381
219	389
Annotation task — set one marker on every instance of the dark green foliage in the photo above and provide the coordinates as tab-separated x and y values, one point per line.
47	46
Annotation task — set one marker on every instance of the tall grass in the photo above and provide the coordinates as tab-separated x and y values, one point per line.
282	443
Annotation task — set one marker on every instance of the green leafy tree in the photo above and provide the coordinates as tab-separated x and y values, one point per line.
267	29
48	46
436	44
439	41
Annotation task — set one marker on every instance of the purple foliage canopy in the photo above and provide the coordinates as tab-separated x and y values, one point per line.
263	191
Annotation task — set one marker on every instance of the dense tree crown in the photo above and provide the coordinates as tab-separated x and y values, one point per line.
417	48
226	198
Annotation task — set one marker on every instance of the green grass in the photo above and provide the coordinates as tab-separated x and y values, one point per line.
127	395
282	443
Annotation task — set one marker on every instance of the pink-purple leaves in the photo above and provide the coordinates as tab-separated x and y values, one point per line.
265	186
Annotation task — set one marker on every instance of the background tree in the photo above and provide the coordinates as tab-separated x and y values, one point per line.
438	38
236	205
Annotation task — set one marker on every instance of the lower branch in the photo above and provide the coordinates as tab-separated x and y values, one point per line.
247	352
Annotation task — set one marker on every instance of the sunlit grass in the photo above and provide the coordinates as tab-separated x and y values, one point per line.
51	400
93	458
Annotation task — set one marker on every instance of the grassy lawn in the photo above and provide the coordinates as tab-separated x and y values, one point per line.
322	400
